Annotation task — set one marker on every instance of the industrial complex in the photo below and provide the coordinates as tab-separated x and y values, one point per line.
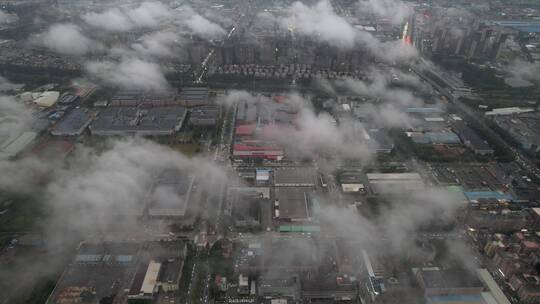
269	152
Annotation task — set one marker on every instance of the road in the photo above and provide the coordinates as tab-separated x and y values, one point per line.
245	16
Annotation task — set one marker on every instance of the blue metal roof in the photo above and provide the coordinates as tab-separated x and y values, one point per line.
476	195
124	258
436	138
524	26
88	257
442	137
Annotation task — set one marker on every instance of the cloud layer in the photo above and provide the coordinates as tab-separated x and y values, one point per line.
129	72
67	39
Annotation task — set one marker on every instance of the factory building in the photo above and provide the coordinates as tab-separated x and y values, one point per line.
445	286
434	138
204	116
98	272
503	221
352	182
137	98
508	111
253	150
262	177
170	195
374	274
73	124
384	183
155	121
292	204
194	96
12	147
379	141
159	271
524	128
244	205
47	99
120	272
471	139
493	290
257	123
279	286
68	99
295	177
127	98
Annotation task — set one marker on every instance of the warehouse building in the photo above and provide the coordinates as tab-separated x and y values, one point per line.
155	121
245	206
434	138
246	113
68	99
204	116
256	149
73	124
295	177
425	111
379	141
12	147
47	99
170	195
279	286
292	254
292	204
99	272
352	181
445	286
127	98
494	291
471	139
194	96
384	183
159	271
524	128
113	272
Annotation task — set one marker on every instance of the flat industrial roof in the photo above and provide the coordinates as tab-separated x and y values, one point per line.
150	279
293	202
493	287
114	120
294	176
170	194
16	146
394	176
74	123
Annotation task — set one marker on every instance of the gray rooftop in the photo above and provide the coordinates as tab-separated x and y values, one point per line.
293	203
139	121
295	176
171	194
73	124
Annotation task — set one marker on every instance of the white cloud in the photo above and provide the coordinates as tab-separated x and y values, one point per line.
204	27
146	15
198	24
523	72
150	14
67	39
320	21
113	20
157	44
129	72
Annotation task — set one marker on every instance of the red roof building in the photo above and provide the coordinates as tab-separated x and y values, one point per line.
245	130
251	150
